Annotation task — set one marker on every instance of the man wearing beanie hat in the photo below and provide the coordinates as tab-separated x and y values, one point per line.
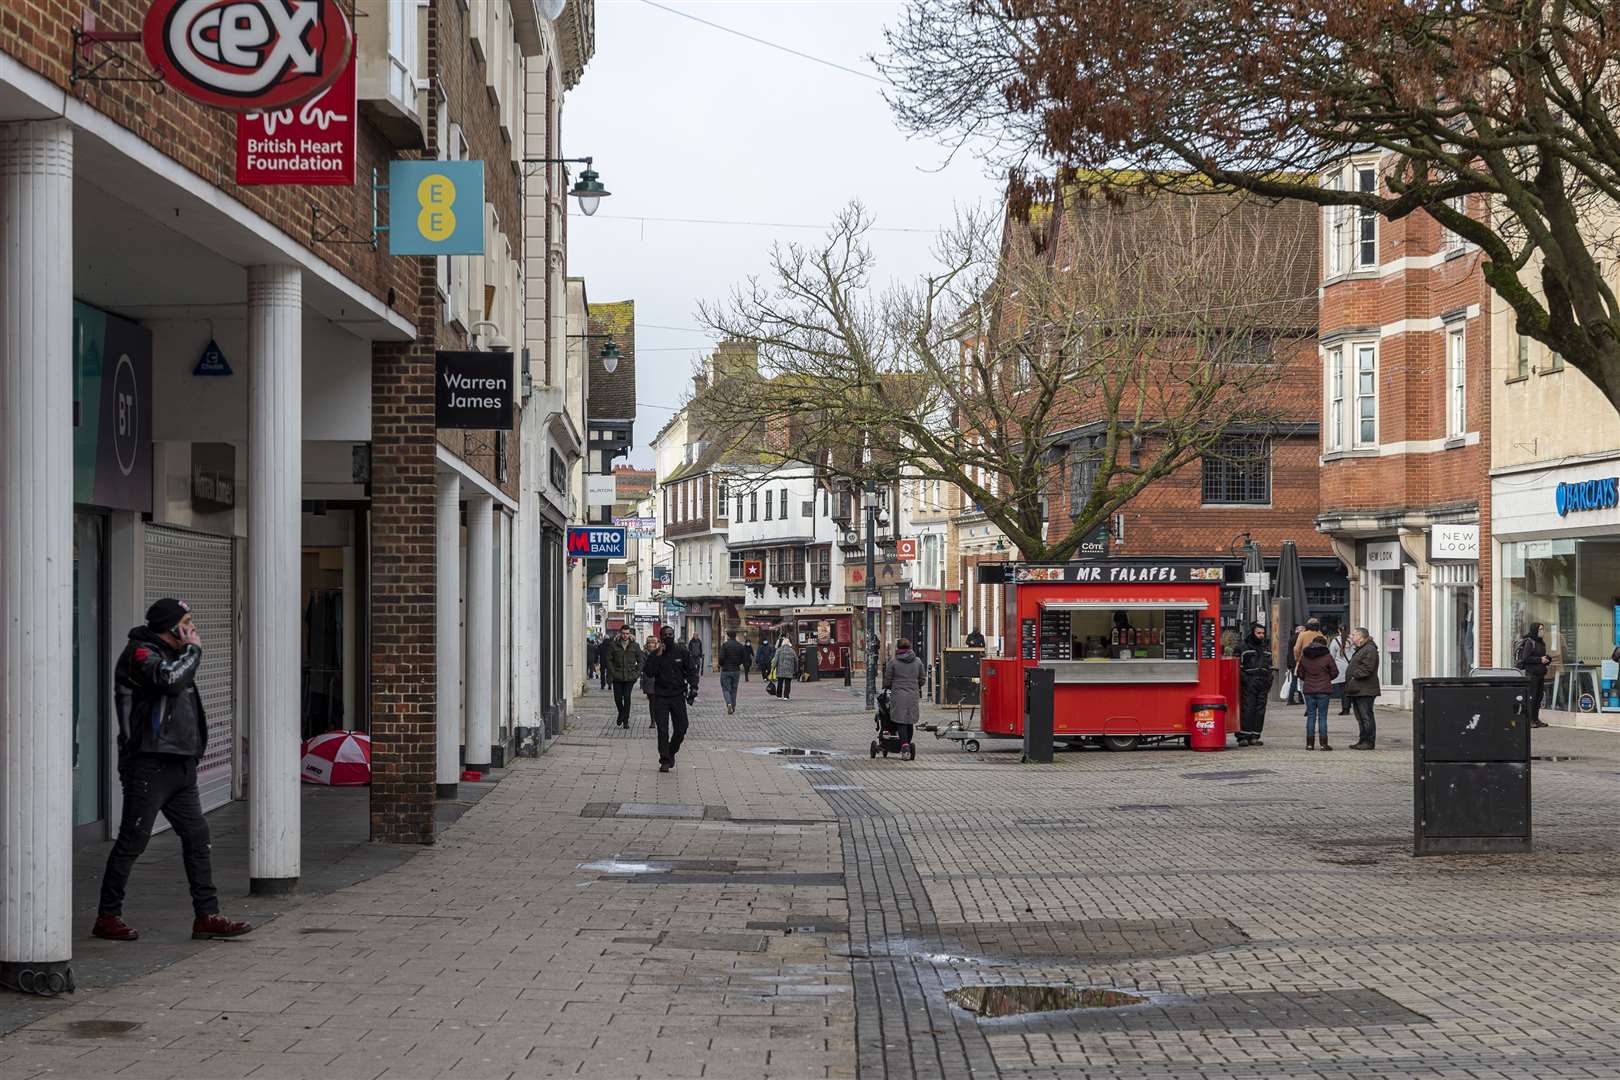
162	734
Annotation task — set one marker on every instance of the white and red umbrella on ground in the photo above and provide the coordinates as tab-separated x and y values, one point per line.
338	758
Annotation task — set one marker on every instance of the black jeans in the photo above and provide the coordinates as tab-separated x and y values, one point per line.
668	714
621	698
1538	684
1252	716
784	686
1363	706
154	783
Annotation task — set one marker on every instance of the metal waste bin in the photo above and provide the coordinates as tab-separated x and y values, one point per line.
1208	723
1471	762
1038	684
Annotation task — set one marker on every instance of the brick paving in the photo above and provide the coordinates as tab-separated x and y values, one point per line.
760	915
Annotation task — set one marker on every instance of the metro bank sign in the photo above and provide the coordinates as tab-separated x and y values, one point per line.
596	543
248	55
1582	495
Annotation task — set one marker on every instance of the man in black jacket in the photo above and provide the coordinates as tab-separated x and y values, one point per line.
1530	656
162	734
734	660
674	687
1254	668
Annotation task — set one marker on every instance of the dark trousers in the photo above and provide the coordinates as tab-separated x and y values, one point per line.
152	784
1252	718
1537	684
621	698
669	714
1362	704
601	673
784	686
728	686
745	673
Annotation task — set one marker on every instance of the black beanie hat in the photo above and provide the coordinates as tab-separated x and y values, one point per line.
166	614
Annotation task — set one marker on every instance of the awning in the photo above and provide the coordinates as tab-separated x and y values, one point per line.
1116	602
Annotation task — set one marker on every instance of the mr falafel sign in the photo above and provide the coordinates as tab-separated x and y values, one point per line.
248	55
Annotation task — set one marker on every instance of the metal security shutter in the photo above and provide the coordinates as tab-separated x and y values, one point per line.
200	570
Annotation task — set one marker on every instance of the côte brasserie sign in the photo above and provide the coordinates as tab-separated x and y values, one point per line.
248	55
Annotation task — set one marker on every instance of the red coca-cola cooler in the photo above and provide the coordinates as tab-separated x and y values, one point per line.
1133	646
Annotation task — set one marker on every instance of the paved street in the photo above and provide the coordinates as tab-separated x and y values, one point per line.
761	915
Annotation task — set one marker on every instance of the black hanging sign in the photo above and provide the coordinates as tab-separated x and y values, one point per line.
474	390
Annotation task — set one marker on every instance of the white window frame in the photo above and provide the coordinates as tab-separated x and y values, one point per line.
402	52
1334	423
1364	350
1335	223
1456	380
1366	177
1450	241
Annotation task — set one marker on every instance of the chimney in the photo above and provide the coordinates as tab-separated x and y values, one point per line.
700	383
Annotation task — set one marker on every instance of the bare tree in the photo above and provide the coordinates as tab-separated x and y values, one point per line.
1494	116
1152	329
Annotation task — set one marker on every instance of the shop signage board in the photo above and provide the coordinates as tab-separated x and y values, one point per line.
600	490
473	390
112	411
248	55
1456	542
436	208
1095	543
1584	495
1142	573
905	549
638	528
309	143
212	362
1384	555
647	609
874	601
595	542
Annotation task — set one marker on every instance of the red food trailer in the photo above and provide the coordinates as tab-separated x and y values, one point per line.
1133	646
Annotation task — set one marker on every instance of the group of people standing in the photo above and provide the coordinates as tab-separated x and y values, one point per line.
1316	669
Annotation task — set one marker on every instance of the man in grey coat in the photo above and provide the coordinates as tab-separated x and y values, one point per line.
904	677
1361	686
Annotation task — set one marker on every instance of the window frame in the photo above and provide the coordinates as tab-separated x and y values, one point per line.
1358	350
1521	363
1226	475
1333	422
770	504
1366	237
1452	243
1456	380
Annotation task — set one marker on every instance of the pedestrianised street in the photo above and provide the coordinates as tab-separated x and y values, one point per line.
756	913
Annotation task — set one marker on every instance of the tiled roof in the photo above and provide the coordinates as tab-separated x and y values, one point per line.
611	397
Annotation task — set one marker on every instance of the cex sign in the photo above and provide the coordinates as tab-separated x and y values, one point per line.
248	55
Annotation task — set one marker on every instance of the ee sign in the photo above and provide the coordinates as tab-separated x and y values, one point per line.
248	55
596	542
436	208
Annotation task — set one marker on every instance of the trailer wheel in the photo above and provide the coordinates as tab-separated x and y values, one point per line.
971	746
1121	742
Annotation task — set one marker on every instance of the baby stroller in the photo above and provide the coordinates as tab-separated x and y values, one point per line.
892	738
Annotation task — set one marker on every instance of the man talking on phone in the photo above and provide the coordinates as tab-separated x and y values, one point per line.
162	734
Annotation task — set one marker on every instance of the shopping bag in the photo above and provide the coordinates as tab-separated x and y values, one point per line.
1287	687
771	688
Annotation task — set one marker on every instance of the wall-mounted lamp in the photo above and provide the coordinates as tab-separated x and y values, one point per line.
495	341
588	189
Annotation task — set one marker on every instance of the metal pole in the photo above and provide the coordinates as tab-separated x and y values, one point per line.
871	612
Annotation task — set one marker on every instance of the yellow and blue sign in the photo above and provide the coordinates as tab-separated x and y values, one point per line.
436	208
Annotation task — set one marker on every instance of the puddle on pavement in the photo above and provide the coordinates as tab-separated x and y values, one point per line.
618	866
791	751
325	930
836	787
804	766
991	1002
98	1029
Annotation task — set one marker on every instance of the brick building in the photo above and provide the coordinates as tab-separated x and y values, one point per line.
160	423
1406	345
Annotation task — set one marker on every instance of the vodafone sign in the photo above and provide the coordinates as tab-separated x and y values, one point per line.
248	55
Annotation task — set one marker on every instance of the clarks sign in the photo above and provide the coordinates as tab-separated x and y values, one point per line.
248	55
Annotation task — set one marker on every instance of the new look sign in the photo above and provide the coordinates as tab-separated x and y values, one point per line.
1583	495
473	390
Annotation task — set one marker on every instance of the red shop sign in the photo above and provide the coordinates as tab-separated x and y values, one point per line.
312	143
248	55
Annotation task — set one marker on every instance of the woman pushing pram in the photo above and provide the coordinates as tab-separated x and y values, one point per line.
900	704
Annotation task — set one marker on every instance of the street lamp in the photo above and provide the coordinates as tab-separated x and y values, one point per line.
609	356
588	189
869	503
495	341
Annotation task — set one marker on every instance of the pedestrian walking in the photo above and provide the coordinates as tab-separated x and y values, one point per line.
904	677
674	687
784	667
601	661
1530	656
162	734
975	640
765	658
622	659
593	656
1361	685
1339	648
1315	673
734	660
1254	666
694	648
1296	643
748	661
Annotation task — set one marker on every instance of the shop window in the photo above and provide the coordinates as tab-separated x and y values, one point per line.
1238	471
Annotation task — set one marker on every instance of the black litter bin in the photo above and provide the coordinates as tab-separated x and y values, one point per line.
1038	683
1471	765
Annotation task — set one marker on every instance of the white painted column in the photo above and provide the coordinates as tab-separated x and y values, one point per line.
275	332
448	603
480	629
36	555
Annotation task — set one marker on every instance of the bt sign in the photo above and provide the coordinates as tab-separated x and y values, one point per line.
248	55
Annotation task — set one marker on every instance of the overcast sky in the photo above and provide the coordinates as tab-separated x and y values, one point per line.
688	121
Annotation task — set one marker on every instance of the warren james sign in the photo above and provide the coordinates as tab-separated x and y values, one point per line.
473	390
248	55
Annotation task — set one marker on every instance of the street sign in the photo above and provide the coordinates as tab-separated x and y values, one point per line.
435	207
600	490
905	549
596	542
753	570
474	390
248	55
874	601
674	606
313	143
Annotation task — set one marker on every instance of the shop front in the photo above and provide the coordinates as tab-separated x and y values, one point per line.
824	638
1557	535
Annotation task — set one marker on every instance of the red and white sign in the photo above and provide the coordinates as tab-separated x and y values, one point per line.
248	55
753	570
905	549
312	143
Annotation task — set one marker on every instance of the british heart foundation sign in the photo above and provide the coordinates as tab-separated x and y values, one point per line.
248	55
312	143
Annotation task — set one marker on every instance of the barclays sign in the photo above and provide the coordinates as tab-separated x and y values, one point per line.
1588	495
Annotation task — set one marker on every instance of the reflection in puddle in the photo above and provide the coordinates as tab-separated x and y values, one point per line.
614	866
798	766
994	1001
790	751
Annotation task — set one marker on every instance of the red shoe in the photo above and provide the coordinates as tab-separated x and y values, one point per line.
113	928
209	927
